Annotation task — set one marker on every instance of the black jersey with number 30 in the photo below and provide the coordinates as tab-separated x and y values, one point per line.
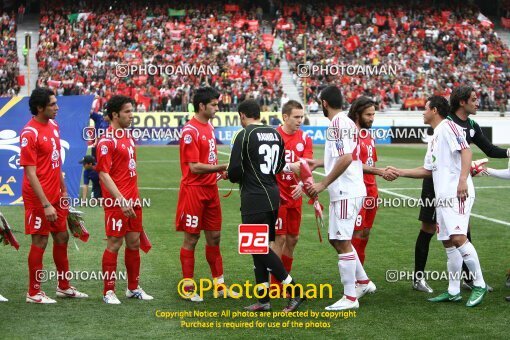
257	156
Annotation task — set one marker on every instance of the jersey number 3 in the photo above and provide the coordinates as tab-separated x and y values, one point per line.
270	154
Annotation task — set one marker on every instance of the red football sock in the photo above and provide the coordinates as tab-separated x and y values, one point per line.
274	281
187	263
109	270
132	260
35	264
213	256
362	245
287	262
62	264
351	298
355	241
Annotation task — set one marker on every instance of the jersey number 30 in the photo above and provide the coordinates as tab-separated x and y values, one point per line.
270	154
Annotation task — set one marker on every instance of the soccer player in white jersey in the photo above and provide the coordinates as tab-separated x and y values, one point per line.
448	160
344	181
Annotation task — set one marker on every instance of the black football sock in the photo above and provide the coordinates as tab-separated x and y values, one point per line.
421	252
261	277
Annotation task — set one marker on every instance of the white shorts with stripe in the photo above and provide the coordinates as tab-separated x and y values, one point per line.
454	219
342	217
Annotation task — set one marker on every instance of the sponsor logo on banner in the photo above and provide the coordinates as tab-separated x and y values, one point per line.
253	239
72	146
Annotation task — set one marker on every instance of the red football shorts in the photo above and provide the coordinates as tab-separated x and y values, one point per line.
117	224
289	220
198	209
37	224
366	216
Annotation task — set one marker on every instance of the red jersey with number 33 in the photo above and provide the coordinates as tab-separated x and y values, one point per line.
197	145
297	145
116	155
368	156
40	147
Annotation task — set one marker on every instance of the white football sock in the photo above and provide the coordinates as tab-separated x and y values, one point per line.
454	266
347	268
361	275
470	257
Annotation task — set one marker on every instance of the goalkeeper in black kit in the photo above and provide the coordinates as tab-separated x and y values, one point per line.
257	156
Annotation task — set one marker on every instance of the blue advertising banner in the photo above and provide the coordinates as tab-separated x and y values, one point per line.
72	118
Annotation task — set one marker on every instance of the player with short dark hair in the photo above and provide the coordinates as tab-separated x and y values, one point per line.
297	145
116	165
464	103
258	155
198	206
448	161
43	187
344	181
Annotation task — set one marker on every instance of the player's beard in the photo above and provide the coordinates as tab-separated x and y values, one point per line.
365	125
325	111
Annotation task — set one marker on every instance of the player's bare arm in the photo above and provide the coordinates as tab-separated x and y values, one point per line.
110	185
49	210
201	168
462	188
341	165
315	163
419	172
387	173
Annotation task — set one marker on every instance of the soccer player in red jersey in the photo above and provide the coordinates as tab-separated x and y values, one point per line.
43	187
116	165
297	145
362	113
198	207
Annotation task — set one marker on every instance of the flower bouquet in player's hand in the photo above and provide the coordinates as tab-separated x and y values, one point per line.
6	235
76	224
145	243
478	167
305	175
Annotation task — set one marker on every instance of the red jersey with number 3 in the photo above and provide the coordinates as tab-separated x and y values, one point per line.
197	145
40	147
368	156
297	145
116	156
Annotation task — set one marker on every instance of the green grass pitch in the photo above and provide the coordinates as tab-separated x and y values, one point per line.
395	311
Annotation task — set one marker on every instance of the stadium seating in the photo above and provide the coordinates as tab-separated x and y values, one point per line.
9	69
434	50
79	51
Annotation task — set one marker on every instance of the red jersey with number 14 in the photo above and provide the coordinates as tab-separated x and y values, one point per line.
368	156
40	147
197	145
116	156
297	145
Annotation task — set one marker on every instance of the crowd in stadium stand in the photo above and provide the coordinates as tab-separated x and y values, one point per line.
80	48
9	69
434	50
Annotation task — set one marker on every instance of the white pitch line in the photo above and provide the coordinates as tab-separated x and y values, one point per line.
472	214
386	191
